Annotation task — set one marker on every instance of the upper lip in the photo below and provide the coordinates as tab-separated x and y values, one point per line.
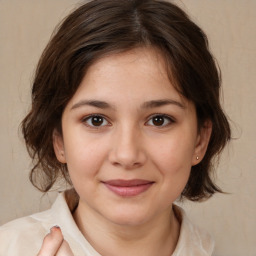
127	183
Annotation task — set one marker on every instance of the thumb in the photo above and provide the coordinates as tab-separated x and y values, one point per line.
52	242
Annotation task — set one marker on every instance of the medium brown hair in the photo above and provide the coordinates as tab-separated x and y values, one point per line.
104	27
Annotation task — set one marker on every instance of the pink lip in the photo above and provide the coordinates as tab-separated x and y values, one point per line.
127	188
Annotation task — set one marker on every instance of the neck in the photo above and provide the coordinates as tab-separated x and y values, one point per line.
157	237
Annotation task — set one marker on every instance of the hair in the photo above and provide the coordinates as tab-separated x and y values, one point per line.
104	27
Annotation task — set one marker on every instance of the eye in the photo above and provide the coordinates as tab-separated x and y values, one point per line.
160	120
95	121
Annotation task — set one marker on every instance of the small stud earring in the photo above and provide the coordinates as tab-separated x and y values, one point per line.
197	157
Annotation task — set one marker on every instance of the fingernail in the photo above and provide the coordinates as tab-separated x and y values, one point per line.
56	226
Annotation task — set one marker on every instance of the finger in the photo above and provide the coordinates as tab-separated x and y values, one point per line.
51	243
64	250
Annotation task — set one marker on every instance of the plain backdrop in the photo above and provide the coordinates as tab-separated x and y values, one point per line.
25	28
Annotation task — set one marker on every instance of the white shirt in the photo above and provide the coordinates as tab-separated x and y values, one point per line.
24	236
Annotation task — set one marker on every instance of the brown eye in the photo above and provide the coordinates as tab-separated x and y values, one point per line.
96	121
160	121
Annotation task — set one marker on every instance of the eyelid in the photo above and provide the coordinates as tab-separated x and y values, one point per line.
165	116
170	118
86	118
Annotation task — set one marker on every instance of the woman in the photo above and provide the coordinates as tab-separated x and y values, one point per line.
125	108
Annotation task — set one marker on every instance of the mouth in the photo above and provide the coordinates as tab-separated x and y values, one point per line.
128	188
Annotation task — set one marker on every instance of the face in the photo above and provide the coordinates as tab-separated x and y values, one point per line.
129	138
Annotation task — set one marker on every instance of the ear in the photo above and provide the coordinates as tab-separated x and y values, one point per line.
202	142
58	145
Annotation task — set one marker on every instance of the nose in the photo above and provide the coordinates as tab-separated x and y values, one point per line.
127	149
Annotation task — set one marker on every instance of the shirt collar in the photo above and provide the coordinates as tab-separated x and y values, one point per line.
192	240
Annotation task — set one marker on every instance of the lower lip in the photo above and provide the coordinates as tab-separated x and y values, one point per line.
128	191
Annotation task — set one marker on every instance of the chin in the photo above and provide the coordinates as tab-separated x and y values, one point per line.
129	217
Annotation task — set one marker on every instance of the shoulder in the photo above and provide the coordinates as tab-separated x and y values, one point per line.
192	240
22	235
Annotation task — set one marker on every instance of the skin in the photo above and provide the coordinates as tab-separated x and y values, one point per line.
55	245
129	143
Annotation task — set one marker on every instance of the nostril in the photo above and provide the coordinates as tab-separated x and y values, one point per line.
127	151
127	165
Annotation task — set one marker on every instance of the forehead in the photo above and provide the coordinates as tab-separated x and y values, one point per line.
130	72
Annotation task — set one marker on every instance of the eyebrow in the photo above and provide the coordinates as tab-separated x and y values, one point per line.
160	103
148	104
93	103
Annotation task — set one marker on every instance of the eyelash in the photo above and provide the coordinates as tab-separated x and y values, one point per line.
85	120
169	119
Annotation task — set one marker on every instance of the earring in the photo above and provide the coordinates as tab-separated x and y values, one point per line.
197	157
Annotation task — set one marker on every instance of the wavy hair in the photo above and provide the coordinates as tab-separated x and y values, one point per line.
104	27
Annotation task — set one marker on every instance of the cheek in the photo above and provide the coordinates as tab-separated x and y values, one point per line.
84	158
174	167
173	159
174	155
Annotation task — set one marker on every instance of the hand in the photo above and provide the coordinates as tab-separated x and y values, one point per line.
55	245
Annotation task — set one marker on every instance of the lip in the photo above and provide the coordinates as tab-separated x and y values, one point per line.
128	188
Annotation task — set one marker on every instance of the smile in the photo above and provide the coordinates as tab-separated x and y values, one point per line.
128	188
